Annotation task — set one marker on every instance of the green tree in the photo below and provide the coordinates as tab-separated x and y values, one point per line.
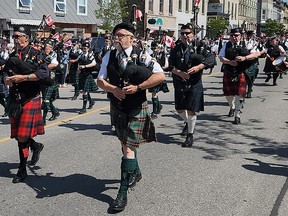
274	27
217	26
111	12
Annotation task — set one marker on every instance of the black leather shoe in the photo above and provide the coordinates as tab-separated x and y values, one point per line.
185	130
231	113
154	116
119	203
248	95
5	115
53	117
267	79
20	176
274	84
36	154
91	105
237	121
135	177
189	140
82	111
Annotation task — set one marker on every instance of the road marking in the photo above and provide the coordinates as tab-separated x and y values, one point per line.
94	111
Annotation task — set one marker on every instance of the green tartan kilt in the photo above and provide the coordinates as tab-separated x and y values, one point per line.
160	87
51	93
87	83
73	76
140	128
252	70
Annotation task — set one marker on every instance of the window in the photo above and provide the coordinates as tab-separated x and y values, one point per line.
161	6
180	5
170	6
228	7
263	17
24	5
232	11
187	6
81	7
203	7
59	7
235	11
150	5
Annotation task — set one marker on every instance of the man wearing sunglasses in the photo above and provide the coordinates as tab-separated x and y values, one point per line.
128	100
187	68
236	58
24	72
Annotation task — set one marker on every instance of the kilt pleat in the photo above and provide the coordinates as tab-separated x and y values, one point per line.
30	123
87	83
73	76
232	88
51	93
140	128
191	99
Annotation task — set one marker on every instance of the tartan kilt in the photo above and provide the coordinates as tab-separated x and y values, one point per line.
160	87
51	93
232	88
73	76
140	127
87	83
30	123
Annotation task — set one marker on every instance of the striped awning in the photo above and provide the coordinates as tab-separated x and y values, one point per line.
25	22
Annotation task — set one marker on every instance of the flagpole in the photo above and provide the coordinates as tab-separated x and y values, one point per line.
133	16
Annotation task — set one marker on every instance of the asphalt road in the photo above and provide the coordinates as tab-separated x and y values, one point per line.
238	170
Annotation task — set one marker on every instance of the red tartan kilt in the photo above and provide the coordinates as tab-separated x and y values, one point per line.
234	88
30	124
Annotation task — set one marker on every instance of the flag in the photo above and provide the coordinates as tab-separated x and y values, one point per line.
196	2
169	42
67	43
57	36
139	14
48	20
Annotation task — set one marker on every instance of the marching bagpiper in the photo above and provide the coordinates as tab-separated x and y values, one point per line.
87	84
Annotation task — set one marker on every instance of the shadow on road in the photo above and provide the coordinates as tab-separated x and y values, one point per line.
266	168
49	186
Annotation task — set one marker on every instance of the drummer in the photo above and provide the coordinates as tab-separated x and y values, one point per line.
274	50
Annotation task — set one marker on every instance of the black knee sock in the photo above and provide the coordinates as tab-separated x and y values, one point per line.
23	153
85	98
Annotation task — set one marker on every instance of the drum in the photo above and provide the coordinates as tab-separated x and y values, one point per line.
280	64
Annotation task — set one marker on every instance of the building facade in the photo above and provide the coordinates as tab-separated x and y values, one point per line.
76	17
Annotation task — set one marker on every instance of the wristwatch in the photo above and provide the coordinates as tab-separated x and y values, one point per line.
139	88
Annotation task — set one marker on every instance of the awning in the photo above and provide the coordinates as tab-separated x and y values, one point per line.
162	28
25	22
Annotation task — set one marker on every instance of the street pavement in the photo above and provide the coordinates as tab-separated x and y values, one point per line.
238	170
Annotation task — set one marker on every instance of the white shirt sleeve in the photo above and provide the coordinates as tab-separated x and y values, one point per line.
103	70
222	51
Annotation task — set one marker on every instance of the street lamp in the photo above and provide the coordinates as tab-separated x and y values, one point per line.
195	18
196	11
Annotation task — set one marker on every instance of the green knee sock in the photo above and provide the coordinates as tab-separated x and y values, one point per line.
46	107
128	166
54	110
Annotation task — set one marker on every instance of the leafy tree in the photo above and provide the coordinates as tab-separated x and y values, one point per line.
274	27
111	12
217	26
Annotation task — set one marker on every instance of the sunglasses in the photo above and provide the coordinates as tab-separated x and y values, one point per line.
185	33
235	35
17	36
122	35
